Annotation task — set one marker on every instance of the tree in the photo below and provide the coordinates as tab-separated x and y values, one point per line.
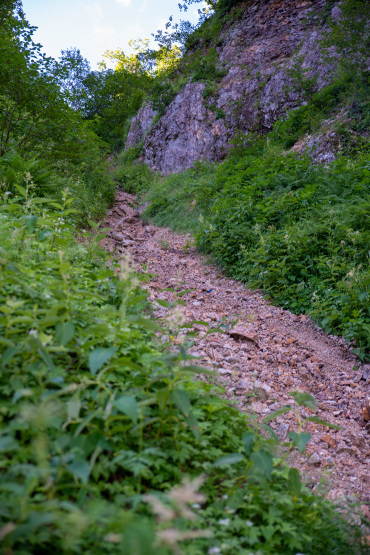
144	61
31	103
113	97
71	72
10	8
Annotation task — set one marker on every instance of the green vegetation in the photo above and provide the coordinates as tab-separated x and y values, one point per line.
40	132
277	222
98	423
107	441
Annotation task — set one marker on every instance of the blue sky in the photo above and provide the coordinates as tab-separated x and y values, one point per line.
94	26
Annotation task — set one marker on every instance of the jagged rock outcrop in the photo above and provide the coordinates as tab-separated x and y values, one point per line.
257	51
321	148
140	125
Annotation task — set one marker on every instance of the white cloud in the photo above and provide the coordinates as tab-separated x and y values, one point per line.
98	28
144	6
124	3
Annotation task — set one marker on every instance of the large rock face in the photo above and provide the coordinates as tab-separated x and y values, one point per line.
140	125
257	52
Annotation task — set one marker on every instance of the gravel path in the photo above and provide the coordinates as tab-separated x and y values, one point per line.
269	353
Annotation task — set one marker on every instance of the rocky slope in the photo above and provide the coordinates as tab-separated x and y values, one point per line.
271	43
268	353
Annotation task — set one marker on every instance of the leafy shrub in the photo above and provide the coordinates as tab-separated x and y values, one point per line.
133	177
299	232
92	187
307	118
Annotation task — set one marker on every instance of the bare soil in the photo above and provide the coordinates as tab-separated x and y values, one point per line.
271	353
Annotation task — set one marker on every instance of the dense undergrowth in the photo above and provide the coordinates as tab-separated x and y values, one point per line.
276	221
99	424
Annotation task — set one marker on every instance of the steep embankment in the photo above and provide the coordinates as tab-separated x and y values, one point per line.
263	61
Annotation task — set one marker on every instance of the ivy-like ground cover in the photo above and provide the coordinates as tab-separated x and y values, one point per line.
100	426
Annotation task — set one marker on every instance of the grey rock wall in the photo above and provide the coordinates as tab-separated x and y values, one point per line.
140	125
256	51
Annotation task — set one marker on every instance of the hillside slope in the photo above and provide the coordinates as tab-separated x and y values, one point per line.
242	76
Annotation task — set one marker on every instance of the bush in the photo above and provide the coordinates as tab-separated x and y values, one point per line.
92	187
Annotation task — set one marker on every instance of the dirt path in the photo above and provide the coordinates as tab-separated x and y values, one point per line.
275	352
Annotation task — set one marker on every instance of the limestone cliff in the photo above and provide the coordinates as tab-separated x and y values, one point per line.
260	53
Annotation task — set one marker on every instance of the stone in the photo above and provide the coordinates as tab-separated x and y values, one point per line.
224	371
282	431
329	440
261	390
244	384
347	450
365	372
291	340
241	333
365	410
315	459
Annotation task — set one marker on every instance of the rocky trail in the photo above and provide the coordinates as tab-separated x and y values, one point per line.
268	353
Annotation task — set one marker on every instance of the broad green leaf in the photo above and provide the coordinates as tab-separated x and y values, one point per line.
233	458
194	425
196	369
247	441
182	401
41	200
25	392
99	357
164	303
34	521
323	422
93	225
44	234
128	406
80	468
6	342
299	440
64	332
262	463
143	322
8	355
8	444
171	289
74	407
30	222
267	531
277	413
162	397
182	293
270	431
100	237
21	190
304	399
294	482
64	267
